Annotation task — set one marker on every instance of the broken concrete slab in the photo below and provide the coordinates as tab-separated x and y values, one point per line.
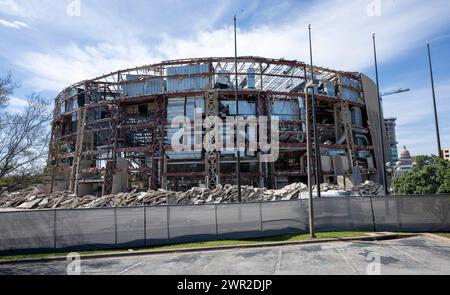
221	194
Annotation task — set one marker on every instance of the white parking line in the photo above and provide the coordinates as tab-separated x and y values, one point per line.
131	267
415	259
346	260
278	265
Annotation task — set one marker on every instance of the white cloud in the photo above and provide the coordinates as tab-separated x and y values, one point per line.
16	104
341	39
416	105
9	6
415	116
73	63
30	8
14	24
341	36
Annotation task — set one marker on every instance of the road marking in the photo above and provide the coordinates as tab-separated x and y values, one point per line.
415	259
207	263
278	265
346	260
131	267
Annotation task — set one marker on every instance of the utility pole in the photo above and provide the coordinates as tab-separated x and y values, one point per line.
436	121
238	164
308	144
382	124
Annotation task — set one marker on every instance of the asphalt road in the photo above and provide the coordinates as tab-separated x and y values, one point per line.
410	256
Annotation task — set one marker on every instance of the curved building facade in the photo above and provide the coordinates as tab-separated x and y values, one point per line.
115	132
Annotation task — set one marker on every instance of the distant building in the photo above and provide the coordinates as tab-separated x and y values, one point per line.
406	160
391	138
446	154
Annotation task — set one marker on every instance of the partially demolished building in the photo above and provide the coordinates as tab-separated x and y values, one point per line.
113	133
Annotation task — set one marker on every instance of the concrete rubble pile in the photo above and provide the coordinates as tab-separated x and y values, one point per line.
325	187
36	198
368	188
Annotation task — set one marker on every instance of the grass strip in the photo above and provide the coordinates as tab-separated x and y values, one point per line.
274	239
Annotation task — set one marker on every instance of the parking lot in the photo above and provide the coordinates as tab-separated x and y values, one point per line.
416	255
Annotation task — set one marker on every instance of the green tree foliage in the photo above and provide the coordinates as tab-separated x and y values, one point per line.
21	181
430	175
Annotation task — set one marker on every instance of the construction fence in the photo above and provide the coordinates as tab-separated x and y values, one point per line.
122	227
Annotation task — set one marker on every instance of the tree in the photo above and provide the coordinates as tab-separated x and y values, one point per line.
7	86
24	138
431	175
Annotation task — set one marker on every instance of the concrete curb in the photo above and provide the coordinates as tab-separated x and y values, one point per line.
373	237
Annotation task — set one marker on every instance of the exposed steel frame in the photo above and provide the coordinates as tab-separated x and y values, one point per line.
274	78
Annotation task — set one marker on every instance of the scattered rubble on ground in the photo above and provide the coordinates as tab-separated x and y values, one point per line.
368	188
36	198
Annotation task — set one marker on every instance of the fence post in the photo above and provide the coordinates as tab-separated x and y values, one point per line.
350	222
168	217
145	226
373	215
115	225
399	213
217	224
302	217
54	229
260	215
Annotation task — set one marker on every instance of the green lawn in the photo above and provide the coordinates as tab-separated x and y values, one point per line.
284	238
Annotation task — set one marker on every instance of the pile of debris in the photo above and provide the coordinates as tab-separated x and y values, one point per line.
36	198
325	187
368	188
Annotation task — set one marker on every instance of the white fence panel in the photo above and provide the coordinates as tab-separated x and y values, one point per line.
27	230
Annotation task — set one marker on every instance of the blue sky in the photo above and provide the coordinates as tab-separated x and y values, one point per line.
48	45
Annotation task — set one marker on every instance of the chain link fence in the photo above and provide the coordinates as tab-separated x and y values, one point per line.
107	228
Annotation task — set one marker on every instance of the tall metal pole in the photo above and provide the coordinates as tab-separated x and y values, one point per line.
309	164
313	108
436	121
382	124
238	164
309	167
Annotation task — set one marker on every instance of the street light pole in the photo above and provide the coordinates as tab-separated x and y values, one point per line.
382	124
308	150
313	109
309	165
238	164
436	121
